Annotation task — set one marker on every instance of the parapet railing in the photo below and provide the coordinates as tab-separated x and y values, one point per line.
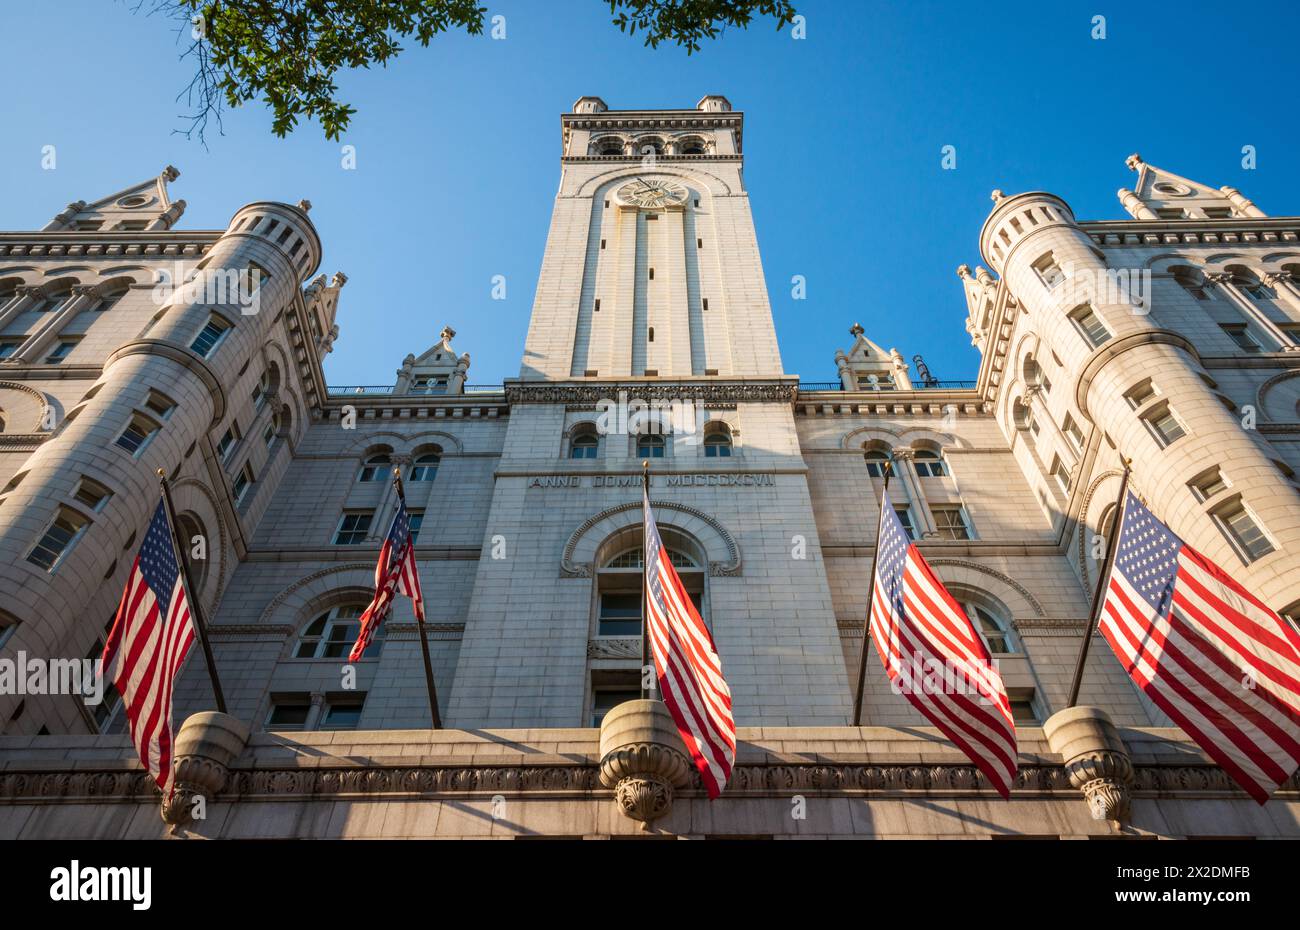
932	385
353	390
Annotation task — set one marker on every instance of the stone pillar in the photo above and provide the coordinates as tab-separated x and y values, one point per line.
206	745
1096	759
1134	205
1287	290
29	352
642	758
1247	207
902	380
456	381
905	471
24	299
167	219
845	372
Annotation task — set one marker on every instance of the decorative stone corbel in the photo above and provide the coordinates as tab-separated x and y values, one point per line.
206	745
1096	759
642	758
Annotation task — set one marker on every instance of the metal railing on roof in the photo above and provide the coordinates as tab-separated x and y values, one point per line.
381	390
881	389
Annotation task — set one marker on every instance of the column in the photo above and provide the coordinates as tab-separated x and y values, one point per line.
1247	306
905	469
34	344
1247	207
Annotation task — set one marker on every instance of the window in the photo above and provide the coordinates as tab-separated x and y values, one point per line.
159	404
876	462
620	614
1218	213
1290	612
88	225
228	440
1164	426
257	275
1049	272
243	481
342	712
929	464
905	518
353	528
1022	706
584	446
996	630
605	699
212	335
103	711
7	628
650	447
875	382
416	519
8	348
1089	326
1242	337
1071	429
1246	535
269	433
950	522
1207	484
1259	291
138	434
91	494
375	468
425	467
58	539
717	444
1140	393
1061	472
260	391
1170	213
61	351
289	712
331	635
132	225
434	385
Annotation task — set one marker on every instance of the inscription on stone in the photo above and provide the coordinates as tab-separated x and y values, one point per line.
739	480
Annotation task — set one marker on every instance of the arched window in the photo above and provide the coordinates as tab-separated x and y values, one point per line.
585	445
618	609
649	146
994	627
876	460
717	442
650	447
332	633
188	528
1191	280
376	468
693	147
929	464
425	467
610	147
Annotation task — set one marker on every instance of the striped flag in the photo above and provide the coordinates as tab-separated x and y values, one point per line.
150	639
934	656
1223	666
394	574
687	666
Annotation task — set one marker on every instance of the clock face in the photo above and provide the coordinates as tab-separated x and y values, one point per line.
652	192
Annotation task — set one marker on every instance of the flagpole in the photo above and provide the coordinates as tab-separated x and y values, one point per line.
645	562
1102	579
871	591
424	639
187	583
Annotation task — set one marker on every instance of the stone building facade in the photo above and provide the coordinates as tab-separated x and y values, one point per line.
127	345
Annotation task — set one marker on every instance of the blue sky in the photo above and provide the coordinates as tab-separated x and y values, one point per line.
458	144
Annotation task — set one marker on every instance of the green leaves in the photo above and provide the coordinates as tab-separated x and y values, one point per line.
687	22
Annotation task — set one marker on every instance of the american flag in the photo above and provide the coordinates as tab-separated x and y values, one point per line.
1223	666
917	628
394	574
150	639
687	666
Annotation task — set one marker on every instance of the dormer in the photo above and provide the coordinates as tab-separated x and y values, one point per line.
981	291
438	371
321	300
868	367
1163	195
141	207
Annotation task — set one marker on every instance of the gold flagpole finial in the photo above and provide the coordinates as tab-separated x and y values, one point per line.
161	473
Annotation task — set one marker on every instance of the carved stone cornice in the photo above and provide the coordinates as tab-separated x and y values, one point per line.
709	392
573	569
614	648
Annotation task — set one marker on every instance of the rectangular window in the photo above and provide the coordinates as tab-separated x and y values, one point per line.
1170	213
88	225
61	351
228	440
353	528
6	630
104	710
212	335
905	518
58	539
1072	430
705	302
417	520
243	481
132	225
1218	213
257	276
1089	326
138	434
288	712
950	522
268	434
605	699
1140	393
159	404
342	712
7	349
1164	426
1242	337
91	494
620	615
1048	271
1207	484
1245	533
1061	472
1022	706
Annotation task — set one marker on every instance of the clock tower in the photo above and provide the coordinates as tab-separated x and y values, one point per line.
651	265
